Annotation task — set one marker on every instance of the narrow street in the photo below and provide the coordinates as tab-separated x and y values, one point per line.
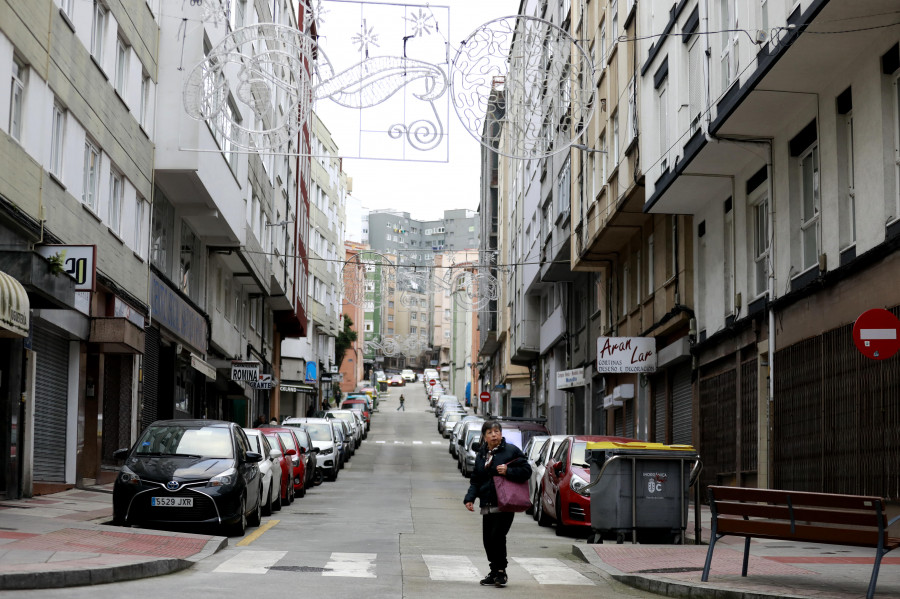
392	525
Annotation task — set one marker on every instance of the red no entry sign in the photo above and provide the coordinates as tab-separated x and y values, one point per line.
876	334
484	396
432	382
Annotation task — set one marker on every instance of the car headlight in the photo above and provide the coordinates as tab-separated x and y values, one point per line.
128	476
328	451
224	479
578	485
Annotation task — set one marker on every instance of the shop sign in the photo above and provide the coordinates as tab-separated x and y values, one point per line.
566	379
626	354
80	261
245	372
264	381
198	364
311	373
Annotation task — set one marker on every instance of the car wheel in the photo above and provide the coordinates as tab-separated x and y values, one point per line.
267	508
240	527
534	505
334	475
276	503
318	477
256	517
543	519
290	492
560	527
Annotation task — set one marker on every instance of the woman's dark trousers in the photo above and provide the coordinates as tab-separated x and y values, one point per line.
494	529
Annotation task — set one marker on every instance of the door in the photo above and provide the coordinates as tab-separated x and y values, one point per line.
50	405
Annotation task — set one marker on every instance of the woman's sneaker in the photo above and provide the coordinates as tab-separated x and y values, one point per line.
500	578
488	580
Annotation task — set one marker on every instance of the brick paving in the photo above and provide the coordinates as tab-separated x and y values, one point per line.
111	542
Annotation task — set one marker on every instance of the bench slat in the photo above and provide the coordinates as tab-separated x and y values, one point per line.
857	502
810	534
801	514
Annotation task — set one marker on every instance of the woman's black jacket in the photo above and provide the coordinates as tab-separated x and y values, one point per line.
482	481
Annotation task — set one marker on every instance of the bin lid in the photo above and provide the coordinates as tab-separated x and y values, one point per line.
638	446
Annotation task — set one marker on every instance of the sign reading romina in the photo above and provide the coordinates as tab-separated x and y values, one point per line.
626	354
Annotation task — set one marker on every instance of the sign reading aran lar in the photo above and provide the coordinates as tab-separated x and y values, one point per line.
626	354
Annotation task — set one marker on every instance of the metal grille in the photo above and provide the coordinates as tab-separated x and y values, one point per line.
50	405
749	415
116	404
682	406
618	421
628	409
718	399
836	418
150	377
659	402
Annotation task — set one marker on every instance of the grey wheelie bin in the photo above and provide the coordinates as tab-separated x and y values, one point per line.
640	490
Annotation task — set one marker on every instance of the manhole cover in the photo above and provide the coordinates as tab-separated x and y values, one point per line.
668	570
299	569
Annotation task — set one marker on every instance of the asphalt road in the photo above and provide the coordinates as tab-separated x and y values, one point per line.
392	525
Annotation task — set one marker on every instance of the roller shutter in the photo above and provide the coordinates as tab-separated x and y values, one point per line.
50	405
682	406
628	409
150	387
661	405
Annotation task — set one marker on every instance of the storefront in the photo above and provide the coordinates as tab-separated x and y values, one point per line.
15	322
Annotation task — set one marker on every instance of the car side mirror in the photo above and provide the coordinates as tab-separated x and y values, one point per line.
557	468
476	446
275	454
252	457
121	454
314	450
291	452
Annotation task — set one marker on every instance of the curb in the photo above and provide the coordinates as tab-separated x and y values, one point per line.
670	588
19	581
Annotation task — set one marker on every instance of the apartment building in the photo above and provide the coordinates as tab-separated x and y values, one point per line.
782	121
353	368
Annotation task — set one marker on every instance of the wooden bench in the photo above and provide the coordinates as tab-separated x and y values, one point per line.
797	516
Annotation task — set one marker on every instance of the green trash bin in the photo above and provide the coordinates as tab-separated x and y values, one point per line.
640	490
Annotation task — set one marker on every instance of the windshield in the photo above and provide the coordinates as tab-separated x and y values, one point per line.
472	434
273	439
319	431
342	416
536	448
578	454
513	436
205	442
288	440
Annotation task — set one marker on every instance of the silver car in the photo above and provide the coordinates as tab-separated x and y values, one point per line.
322	435
470	429
348	417
447	420
539	466
454	434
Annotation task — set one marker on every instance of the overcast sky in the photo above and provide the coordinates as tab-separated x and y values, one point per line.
424	189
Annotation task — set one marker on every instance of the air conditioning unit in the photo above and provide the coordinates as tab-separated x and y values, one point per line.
621	392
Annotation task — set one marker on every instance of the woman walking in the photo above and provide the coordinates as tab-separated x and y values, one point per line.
493	459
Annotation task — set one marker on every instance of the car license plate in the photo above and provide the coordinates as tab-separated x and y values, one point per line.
172	501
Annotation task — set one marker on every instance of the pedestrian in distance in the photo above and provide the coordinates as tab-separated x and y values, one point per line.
402	401
273	422
494	455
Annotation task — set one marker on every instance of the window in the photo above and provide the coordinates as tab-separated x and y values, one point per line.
651	283
614	26
239	14
728	23
122	54
188	275
603	156
809	206
390	318
662	112
116	191
846	171
89	192
140	209
702	275
601	50
764	15
369	326
563	190
615	139
412	330
695	83
413	316
57	139
144	109
759	205
17	98
66	6
161	234
631	125
98	30
728	248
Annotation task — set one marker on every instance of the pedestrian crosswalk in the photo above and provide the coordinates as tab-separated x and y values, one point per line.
450	568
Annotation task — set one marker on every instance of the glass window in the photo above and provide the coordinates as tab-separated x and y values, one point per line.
140	210
760	237
90	189
98	30
17	98
57	139
809	206
123	52
207	441
116	192
144	110
161	232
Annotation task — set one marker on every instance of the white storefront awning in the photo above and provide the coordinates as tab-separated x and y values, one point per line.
15	311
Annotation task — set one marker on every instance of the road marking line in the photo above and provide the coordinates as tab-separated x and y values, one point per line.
437	442
251	562
417	442
257	533
353	565
548	570
380	442
450	567
398	442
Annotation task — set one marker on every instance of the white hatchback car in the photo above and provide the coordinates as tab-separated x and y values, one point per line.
408	375
269	469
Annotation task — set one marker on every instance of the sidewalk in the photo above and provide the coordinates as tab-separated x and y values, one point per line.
776	568
60	540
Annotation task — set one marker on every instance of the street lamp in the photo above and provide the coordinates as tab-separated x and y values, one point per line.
584	148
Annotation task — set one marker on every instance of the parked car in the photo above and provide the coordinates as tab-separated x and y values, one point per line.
348	417
308	457
538	465
269	469
445	401
408	375
447	420
457	429
287	467
430	374
322	435
360	422
358	403
298	460
200	472
470	433
343	440
396	381
519	431
434	392
563	498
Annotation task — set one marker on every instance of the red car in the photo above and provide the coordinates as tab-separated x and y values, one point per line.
358	404
287	468
562	499
298	460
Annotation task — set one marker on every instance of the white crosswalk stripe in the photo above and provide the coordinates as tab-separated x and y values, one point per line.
551	571
450	567
251	562
352	565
